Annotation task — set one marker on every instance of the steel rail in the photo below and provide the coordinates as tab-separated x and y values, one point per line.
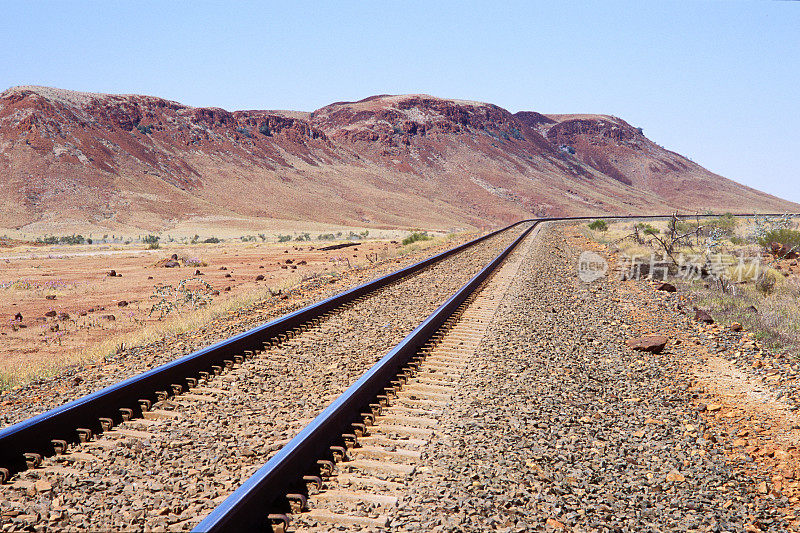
28	441
49	433
247	508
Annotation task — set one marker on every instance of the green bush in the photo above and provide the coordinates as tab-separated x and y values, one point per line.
145	130
598	225
211	240
788	238
284	238
417	236
153	246
647	229
151	239
303	237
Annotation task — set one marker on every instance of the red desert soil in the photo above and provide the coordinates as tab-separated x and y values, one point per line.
761	431
87	306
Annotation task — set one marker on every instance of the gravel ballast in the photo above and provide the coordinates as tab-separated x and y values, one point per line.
559	426
180	467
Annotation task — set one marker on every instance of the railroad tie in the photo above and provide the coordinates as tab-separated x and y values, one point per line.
363	490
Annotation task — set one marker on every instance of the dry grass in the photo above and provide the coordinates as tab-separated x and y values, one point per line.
772	315
26	370
775	320
20	374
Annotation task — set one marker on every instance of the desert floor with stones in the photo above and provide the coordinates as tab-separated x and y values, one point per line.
553	423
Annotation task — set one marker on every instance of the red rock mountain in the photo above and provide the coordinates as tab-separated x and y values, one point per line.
96	161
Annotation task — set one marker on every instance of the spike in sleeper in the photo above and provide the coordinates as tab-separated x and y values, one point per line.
32	460
313	480
278	522
59	446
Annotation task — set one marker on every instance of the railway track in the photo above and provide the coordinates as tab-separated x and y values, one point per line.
402	387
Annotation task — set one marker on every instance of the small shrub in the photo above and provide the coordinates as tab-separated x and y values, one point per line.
145	130
326	236
766	281
263	129
303	237
788	238
598	225
417	236
211	240
151	239
153	246
284	238
245	132
647	229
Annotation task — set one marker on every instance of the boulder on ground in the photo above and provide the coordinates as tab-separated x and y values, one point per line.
171	264
666	287
703	316
648	343
736	327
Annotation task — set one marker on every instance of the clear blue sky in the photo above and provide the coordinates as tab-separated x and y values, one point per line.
716	81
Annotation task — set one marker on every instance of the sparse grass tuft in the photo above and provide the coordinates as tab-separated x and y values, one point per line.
598	225
416	236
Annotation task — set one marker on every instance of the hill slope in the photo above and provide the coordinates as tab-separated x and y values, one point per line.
128	161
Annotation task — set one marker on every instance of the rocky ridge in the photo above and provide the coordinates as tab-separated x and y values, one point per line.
117	161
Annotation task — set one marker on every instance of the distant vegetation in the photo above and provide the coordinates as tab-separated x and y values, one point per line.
598	225
417	236
152	242
65	239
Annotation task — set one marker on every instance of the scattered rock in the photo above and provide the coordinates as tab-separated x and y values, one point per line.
77	380
554	524
666	287
50	313
713	407
227	289
703	316
149	277
174	257
122	303
63	316
289	261
260	277
228	275
223	268
110	318
42	485
50	297
18	317
171	264
112	274
675	477
197	272
54	328
648	343
736	327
